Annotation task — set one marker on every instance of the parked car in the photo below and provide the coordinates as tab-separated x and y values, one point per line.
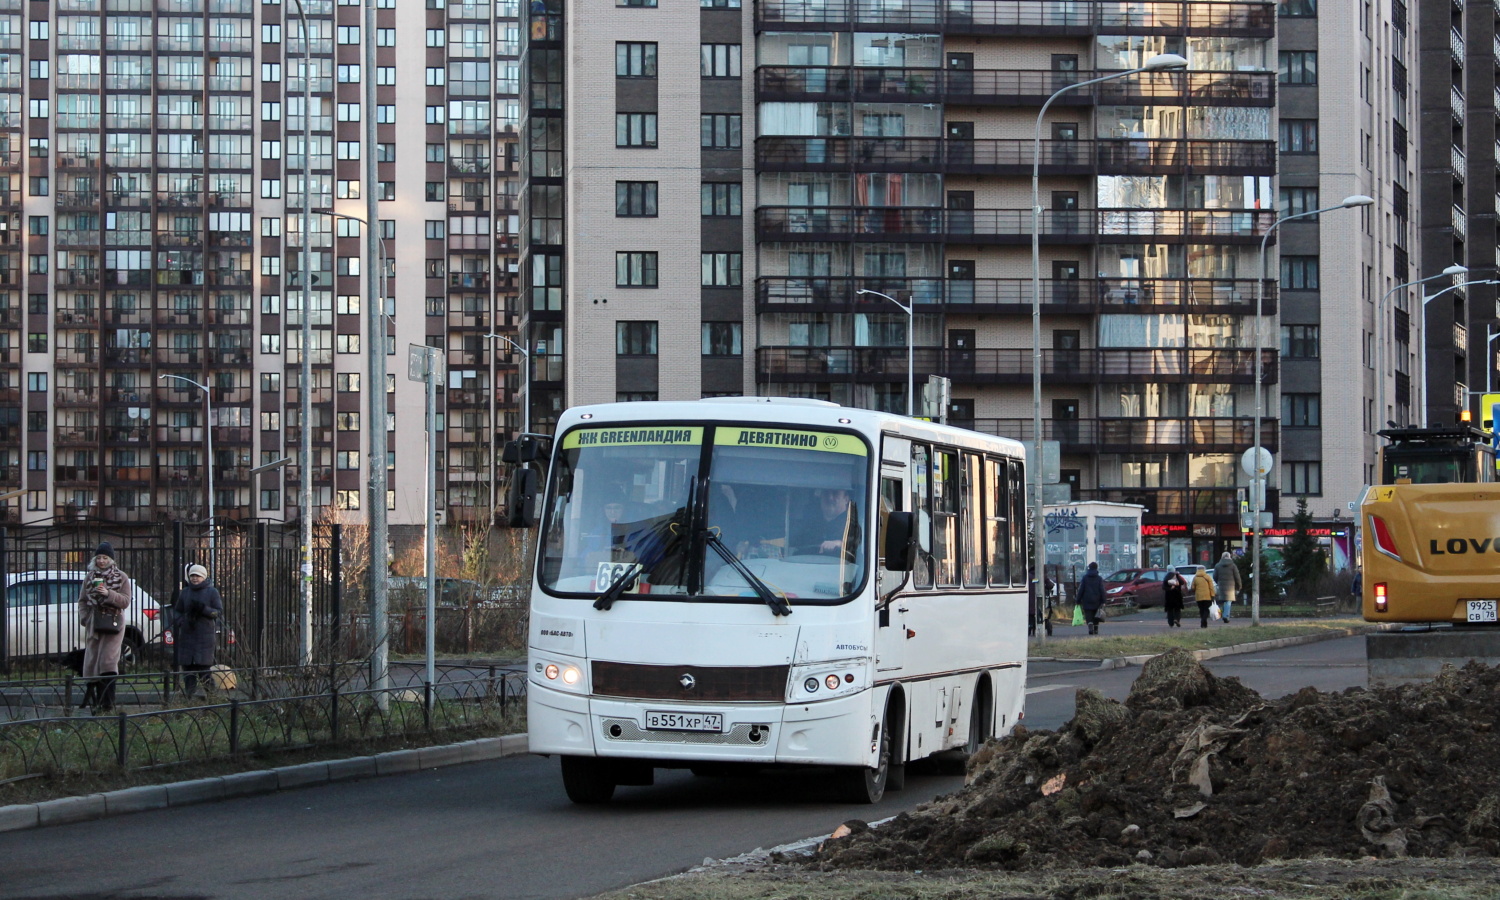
42	617
1142	587
412	590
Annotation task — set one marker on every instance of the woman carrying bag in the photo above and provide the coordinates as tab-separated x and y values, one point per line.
196	629
101	612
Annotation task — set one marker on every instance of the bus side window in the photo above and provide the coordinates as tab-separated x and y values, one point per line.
972	522
1020	561
946	487
997	511
921	473
891	490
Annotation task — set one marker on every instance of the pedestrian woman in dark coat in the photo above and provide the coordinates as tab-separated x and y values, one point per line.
106	588
1172	590
196	628
1091	596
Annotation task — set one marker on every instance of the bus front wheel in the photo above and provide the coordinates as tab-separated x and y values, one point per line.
587	779
859	784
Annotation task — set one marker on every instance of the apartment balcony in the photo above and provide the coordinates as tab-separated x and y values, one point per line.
1456	104
75	356
77	278
77	317
1013	156
1008	226
468	165
61	397
78	200
1181	504
1009	87
1127	435
1014	366
1460	223
11	396
1459	162
1019	17
1456	48
1460	339
128	474
73	436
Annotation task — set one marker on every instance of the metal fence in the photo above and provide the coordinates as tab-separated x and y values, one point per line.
255	569
277	710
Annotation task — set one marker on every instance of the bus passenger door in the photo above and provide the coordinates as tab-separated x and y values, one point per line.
890	622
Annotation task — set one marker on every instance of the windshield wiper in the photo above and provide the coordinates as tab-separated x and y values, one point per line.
620	585
778	604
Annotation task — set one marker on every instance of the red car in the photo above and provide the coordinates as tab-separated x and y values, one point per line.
1141	587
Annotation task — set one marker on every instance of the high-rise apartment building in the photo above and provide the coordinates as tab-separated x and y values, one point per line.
152	158
815	157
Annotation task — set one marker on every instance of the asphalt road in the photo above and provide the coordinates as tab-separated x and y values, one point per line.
505	829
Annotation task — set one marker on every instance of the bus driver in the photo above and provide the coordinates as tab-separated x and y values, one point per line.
833	528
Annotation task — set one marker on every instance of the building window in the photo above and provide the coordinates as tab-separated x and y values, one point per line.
1298	200
348	74
1299	273
635	338
270	304
385	153
635	59
40	185
635	129
36	224
270	499
722	269
270	421
635	269
437	76
720	131
270	382
635	198
348	383
1299	342
636	396
1297	9
721	199
641	3
1301	410
36	421
270	343
385	37
36	381
1299	136
1302	478
719	60
437	191
348	421
1298	67
722	338
36	342
437	229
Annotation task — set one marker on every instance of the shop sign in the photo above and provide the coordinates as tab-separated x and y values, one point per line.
1163	530
1205	531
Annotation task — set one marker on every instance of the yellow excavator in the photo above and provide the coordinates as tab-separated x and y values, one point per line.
1432	529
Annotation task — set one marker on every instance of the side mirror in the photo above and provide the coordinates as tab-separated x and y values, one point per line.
520	451
520	499
900	548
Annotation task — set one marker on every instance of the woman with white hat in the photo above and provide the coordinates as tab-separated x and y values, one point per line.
196	628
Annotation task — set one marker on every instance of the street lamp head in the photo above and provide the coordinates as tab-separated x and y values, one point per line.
1357	200
1165	61
1456	270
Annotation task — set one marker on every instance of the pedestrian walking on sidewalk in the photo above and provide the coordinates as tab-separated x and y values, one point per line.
1172	590
1227	577
1091	597
1203	593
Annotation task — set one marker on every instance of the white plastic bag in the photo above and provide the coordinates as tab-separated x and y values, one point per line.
1214	612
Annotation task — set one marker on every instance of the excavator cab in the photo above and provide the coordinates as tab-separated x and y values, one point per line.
1448	454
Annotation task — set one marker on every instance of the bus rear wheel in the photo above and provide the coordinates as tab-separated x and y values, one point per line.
860	784
587	779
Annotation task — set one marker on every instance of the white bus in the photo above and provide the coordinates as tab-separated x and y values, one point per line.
768	582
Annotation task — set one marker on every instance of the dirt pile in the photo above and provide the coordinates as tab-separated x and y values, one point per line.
1195	769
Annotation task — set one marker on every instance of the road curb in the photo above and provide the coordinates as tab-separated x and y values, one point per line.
1120	662
22	816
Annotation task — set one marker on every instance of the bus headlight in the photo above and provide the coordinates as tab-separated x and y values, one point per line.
561	674
826	682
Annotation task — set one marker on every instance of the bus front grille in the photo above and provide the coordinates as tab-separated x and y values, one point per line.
689	683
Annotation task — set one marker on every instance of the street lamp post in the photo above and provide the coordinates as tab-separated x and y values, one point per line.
525	380
1159	63
375	391
910	353
1422	337
1258	469
208	441
1382	333
305	393
1489	360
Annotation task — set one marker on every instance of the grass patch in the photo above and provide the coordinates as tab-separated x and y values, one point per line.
110	777
1107	646
1321	879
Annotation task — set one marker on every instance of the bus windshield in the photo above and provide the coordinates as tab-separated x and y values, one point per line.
711	511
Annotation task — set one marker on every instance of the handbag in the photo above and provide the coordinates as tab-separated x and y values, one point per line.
1214	612
106	621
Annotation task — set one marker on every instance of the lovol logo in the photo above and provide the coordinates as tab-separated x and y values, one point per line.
1458	546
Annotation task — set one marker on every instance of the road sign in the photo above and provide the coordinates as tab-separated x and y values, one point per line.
1250	458
1051	464
1487	404
1247	521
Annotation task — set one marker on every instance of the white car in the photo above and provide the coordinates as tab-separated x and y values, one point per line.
42	618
